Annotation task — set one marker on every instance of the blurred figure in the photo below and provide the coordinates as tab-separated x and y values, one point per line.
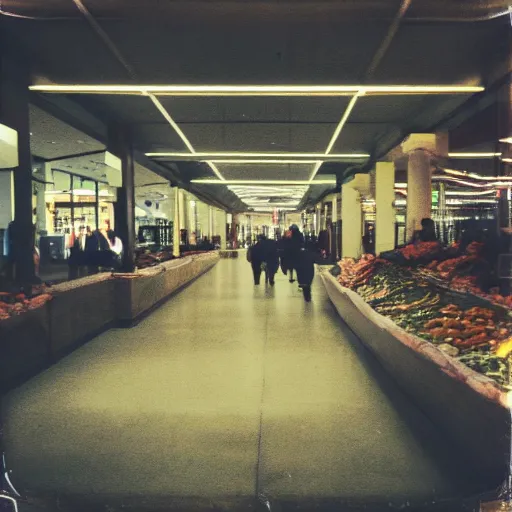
293	244
427	233
305	267
263	256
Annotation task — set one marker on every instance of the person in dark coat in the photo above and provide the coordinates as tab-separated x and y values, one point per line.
427	233
264	255
292	247
305	267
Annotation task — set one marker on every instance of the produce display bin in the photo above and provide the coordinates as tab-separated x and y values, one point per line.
470	408
25	345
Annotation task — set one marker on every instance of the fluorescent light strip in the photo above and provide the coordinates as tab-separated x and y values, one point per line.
507	140
264	182
180	133
473	155
256	90
337	132
342	122
260	156
171	121
264	162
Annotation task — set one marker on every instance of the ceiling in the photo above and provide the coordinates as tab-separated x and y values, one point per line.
262	42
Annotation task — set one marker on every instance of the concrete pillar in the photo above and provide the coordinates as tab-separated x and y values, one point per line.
211	228
6	198
221	228
385	218
176	224
14	113
120	144
420	147
419	191
352	222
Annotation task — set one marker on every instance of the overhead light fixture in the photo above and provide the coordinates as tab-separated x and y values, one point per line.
179	132
264	182
337	131
263	162
506	160
214	156
255	90
507	140
473	155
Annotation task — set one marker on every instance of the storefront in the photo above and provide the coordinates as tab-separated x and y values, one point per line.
67	205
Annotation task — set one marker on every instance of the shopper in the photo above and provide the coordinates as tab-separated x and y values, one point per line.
305	267
116	250
264	256
427	233
292	247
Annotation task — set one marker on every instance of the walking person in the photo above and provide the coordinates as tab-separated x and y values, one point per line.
264	256
292	247
305	267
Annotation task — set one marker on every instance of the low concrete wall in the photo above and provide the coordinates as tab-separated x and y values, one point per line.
24	344
84	308
229	254
135	296
467	406
79	310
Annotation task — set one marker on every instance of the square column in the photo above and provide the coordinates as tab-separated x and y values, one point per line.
120	144
385	218
14	113
176	240
352	223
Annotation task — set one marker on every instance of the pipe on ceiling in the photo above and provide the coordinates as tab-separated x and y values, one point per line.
388	39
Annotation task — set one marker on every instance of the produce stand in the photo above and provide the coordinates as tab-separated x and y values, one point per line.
469	406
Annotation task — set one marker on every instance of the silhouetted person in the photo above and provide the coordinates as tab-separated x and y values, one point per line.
264	254
305	267
292	247
427	233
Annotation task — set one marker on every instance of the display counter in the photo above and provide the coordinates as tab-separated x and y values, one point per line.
469	407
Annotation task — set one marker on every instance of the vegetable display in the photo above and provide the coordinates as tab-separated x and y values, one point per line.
12	304
463	326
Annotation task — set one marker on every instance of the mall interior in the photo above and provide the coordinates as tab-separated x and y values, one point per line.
151	152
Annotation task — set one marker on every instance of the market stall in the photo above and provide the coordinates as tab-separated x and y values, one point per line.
448	349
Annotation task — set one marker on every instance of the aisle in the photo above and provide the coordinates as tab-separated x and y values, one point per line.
226	391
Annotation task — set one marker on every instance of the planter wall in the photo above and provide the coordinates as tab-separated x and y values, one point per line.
138	295
25	344
468	407
84	308
80	310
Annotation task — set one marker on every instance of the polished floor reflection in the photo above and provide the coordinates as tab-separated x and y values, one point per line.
233	391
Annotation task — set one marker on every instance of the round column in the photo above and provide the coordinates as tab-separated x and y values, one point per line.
419	190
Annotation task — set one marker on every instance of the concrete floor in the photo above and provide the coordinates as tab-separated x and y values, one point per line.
232	391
